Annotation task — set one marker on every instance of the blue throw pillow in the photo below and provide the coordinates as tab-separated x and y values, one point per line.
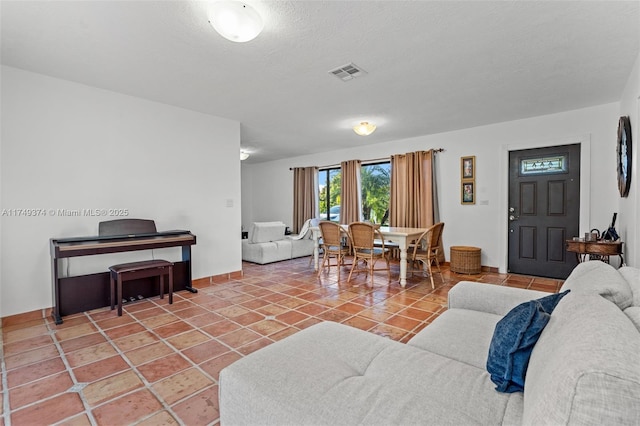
513	340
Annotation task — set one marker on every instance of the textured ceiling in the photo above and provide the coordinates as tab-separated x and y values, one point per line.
432	66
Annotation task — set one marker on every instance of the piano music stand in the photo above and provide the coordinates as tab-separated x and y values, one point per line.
135	270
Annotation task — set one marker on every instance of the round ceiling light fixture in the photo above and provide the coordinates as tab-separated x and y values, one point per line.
235	21
243	155
364	128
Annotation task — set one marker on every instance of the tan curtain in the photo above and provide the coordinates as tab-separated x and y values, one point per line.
350	192
413	191
305	194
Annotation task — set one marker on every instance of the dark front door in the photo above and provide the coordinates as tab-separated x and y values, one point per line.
544	209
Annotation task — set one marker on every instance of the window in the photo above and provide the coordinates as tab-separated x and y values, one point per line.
376	187
375	179
329	181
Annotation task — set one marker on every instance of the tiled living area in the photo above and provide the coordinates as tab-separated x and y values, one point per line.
159	363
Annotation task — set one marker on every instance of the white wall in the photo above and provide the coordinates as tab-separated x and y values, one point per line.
629	210
269	185
70	146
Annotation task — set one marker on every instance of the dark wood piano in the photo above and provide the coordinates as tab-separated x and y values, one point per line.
86	292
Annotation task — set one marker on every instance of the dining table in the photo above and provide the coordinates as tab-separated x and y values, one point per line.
395	234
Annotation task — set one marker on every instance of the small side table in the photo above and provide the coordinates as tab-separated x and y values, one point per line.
465	260
595	250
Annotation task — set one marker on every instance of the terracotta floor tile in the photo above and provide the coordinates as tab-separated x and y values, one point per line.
312	309
148	313
24	333
205	351
162	418
148	353
26	345
306	323
76	331
417	314
40	389
221	327
254	346
163	367
79	420
334	315
248	318
361	323
190	312
108	323
255	303
82	342
173	329
160	320
124	330
181	385
200	409
272	309
188	339
239	337
404	323
103	390
135	341
30	357
427	305
350	308
138	306
206	319
103	368
49	411
29	373
267	327
127	409
213	366
292	317
90	354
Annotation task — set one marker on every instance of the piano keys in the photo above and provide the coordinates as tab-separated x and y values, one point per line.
86	292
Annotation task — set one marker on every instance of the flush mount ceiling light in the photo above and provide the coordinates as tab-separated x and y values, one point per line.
364	128
243	155
235	21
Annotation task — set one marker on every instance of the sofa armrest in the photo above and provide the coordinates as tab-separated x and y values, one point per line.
490	298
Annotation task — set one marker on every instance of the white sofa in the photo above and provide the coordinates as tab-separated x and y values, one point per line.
584	368
267	243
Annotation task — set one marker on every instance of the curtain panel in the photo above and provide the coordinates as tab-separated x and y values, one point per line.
351	192
305	194
413	199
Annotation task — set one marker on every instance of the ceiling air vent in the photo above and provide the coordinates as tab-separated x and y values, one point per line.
348	72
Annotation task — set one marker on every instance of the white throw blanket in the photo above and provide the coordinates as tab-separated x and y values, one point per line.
303	232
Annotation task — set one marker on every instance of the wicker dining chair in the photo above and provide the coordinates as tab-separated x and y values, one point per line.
427	250
363	238
332	246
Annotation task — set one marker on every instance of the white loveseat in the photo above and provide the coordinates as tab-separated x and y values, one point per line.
584	368
266	243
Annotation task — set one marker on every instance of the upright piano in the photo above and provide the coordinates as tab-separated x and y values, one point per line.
86	292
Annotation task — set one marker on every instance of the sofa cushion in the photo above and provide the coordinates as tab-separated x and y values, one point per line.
632	276
470	342
337	375
596	277
266	252
264	232
633	313
513	340
584	368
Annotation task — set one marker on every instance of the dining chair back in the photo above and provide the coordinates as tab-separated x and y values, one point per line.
366	252
332	245
427	250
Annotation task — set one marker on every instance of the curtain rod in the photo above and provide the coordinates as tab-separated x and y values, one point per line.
332	166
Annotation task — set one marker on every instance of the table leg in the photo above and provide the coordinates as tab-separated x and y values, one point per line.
403	265
316	250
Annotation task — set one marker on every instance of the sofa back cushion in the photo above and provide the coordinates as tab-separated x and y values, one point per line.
584	368
596	277
632	276
264	232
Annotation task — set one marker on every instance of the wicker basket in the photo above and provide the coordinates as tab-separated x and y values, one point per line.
465	260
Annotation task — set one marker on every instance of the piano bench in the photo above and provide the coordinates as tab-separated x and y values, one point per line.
134	270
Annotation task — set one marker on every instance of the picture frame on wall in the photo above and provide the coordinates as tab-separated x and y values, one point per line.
468	192
468	167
